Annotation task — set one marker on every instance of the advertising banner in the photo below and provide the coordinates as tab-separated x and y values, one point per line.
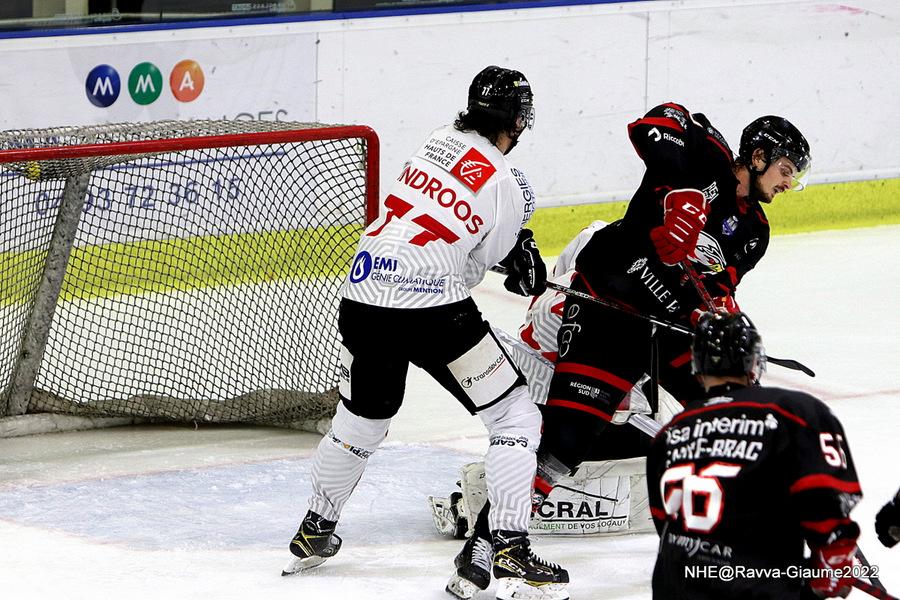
270	77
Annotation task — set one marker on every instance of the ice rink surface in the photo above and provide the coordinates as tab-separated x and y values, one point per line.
177	512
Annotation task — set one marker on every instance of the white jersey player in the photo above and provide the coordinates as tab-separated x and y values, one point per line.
608	493
457	208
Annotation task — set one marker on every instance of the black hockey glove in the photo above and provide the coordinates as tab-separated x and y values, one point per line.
527	271
887	522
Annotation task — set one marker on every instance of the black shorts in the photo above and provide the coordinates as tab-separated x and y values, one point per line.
384	341
603	352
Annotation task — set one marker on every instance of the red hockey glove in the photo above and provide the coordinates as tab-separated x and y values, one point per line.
726	304
684	218
833	565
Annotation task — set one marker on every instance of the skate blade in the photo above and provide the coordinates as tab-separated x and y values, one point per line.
298	565
461	588
511	588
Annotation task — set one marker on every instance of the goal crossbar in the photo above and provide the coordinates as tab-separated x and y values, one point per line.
153	275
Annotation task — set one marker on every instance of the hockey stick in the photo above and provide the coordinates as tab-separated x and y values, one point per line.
787	363
873	591
873	579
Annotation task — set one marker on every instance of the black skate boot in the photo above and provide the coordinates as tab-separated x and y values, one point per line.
521	574
315	541
473	569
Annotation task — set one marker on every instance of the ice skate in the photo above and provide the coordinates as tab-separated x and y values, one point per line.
521	575
314	543
473	569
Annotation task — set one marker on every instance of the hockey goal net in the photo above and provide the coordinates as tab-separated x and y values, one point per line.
184	271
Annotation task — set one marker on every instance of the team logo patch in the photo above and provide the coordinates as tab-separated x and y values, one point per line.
729	226
637	265
711	192
709	254
361	268
473	170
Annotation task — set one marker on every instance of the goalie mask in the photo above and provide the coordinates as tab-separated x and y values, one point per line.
503	94
727	345
777	138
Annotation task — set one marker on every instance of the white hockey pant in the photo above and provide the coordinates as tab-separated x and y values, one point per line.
514	429
341	458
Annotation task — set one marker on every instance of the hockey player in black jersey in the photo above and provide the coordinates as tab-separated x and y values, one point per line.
745	478
697	209
696	204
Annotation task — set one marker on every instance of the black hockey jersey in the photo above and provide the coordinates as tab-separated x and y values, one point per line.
680	150
740	481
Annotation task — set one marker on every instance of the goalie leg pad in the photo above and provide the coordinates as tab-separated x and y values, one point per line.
601	498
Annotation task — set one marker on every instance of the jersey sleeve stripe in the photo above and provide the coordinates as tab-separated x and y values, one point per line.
594	373
658	122
772	407
681	360
820	480
825	525
718	144
582	407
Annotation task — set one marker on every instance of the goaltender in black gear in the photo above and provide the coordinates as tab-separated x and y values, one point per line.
745	477
457	208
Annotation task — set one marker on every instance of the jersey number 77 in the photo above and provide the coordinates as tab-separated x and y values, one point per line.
432	228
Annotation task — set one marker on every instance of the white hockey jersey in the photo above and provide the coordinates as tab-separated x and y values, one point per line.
545	314
455	211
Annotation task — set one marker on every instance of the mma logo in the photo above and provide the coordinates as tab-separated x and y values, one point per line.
473	170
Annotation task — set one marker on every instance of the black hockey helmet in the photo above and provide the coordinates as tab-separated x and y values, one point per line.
505	95
727	344
777	137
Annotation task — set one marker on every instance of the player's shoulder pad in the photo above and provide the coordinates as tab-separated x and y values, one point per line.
713	136
802	408
666	127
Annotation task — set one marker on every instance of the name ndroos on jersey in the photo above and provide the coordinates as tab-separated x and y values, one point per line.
455	210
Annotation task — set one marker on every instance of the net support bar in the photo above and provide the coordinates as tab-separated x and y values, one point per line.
37	327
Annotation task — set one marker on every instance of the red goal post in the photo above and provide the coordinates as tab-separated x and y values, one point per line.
178	270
